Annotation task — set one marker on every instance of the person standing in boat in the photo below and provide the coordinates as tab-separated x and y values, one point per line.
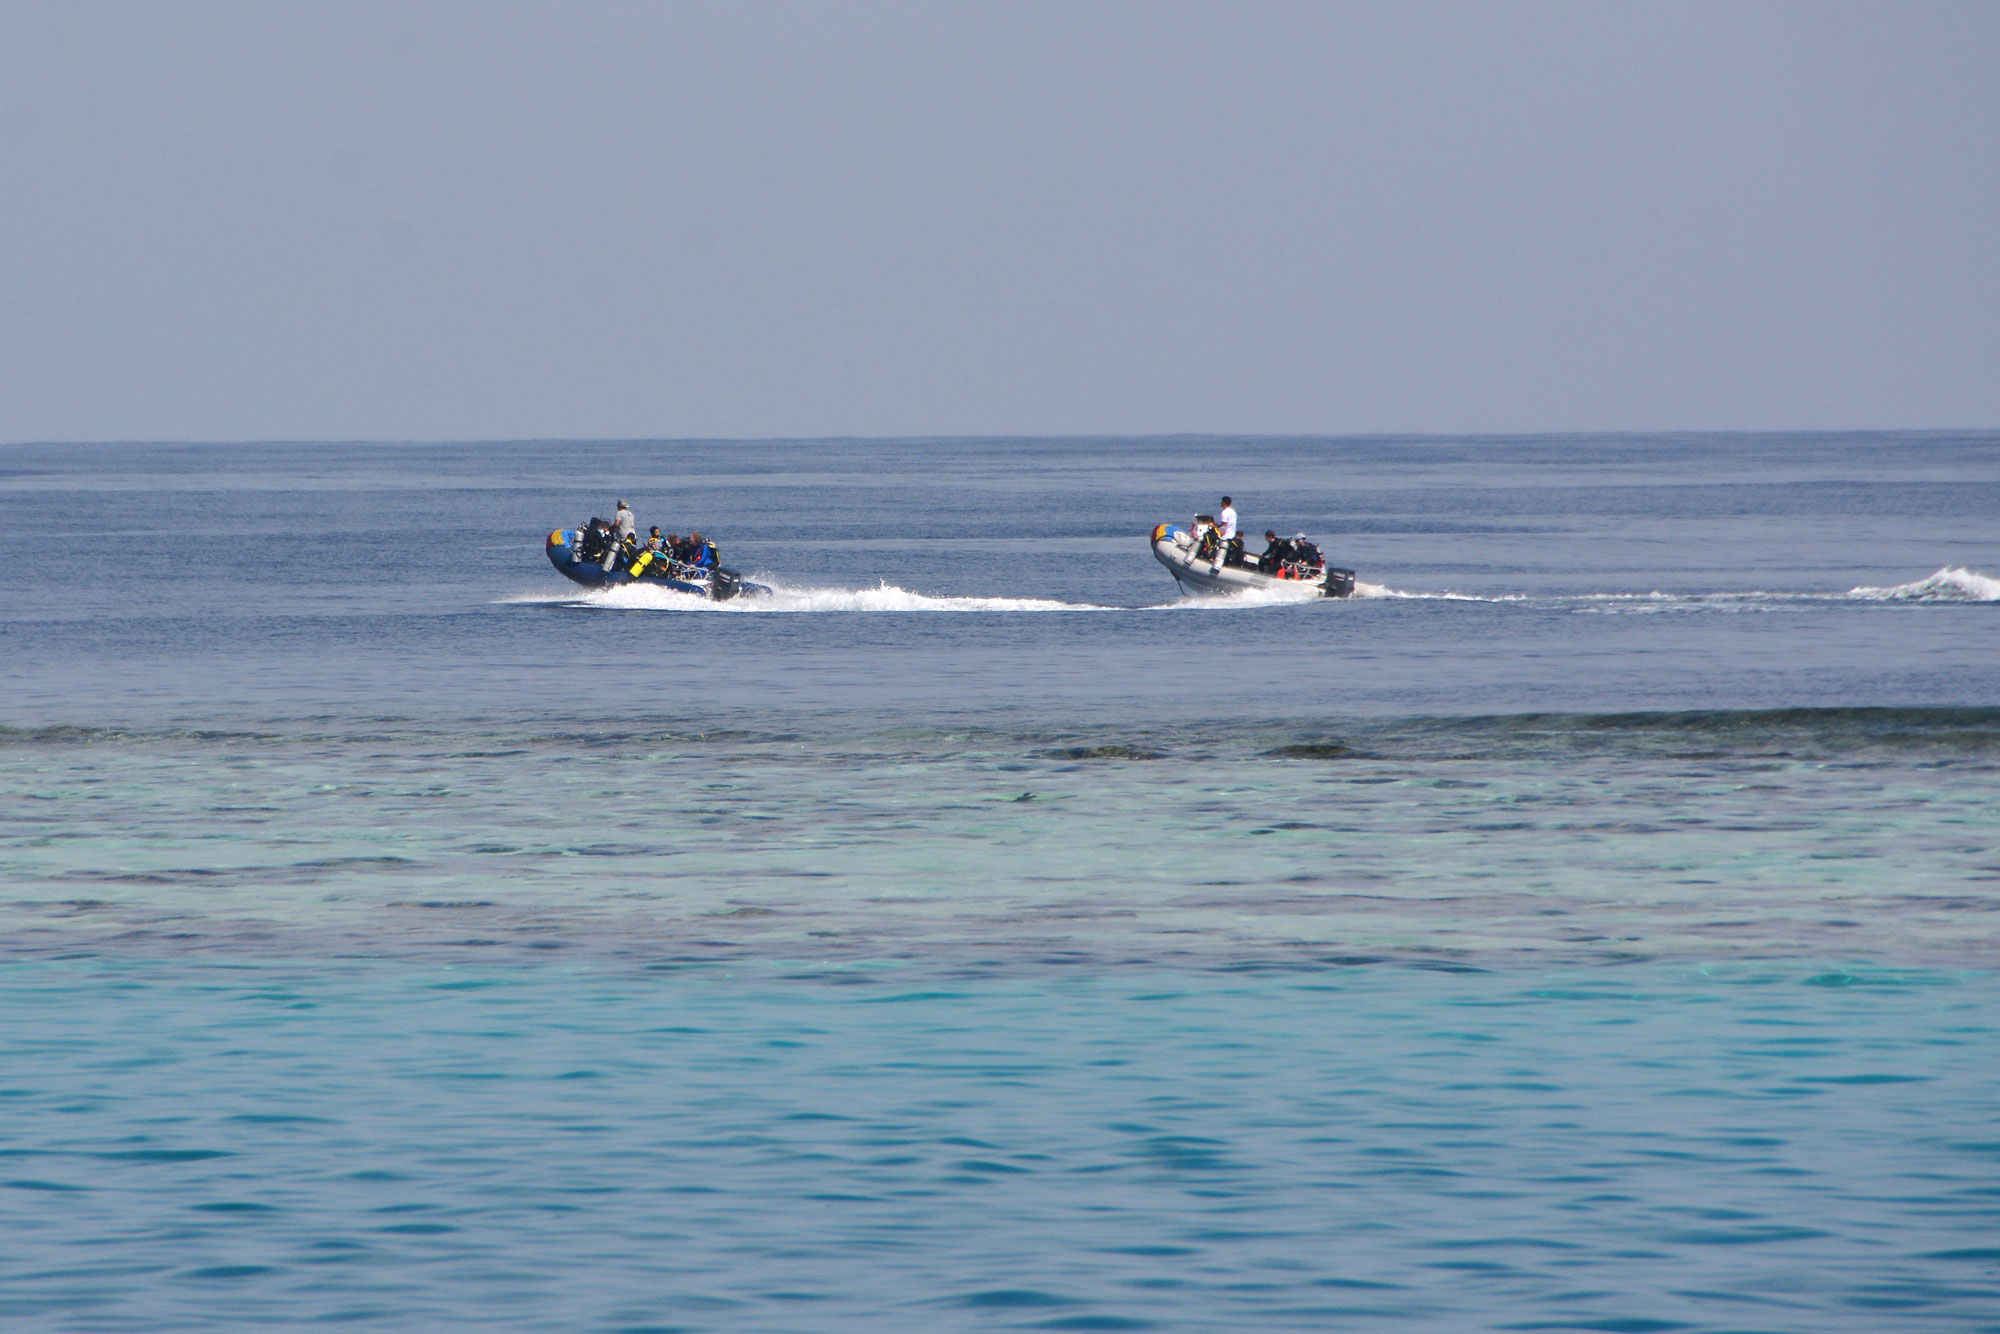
624	530
1225	531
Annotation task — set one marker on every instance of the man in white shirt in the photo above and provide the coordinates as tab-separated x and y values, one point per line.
1225	525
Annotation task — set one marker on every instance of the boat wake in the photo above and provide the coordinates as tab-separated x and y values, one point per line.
884	597
1270	595
1367	590
1952	584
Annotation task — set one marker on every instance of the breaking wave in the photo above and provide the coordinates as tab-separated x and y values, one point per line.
1954	583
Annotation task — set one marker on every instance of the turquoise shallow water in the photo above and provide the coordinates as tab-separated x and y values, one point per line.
811	1147
1593	927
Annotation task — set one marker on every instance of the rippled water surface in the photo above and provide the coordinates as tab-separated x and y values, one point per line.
808	1147
1592	926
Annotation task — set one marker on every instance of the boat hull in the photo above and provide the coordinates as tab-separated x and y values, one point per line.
1173	548
718	585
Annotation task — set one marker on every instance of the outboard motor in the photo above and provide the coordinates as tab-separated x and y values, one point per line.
1339	583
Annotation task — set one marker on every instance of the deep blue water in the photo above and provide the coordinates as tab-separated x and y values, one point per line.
1591	927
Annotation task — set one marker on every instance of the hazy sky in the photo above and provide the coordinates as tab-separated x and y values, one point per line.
409	220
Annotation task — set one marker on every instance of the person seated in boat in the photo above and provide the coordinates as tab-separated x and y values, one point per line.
643	558
1202	530
701	552
1276	552
595	541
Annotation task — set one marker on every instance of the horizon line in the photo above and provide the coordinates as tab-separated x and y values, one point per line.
1582	433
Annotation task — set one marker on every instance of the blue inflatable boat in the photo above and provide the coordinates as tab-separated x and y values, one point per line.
566	553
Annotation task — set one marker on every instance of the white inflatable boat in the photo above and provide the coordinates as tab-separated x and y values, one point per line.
1199	564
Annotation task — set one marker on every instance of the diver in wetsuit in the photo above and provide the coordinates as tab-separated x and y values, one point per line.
1276	552
1202	530
596	541
623	534
644	557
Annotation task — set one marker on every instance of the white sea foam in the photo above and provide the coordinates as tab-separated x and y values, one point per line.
884	597
541	599
1367	590
1271	595
1952	584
